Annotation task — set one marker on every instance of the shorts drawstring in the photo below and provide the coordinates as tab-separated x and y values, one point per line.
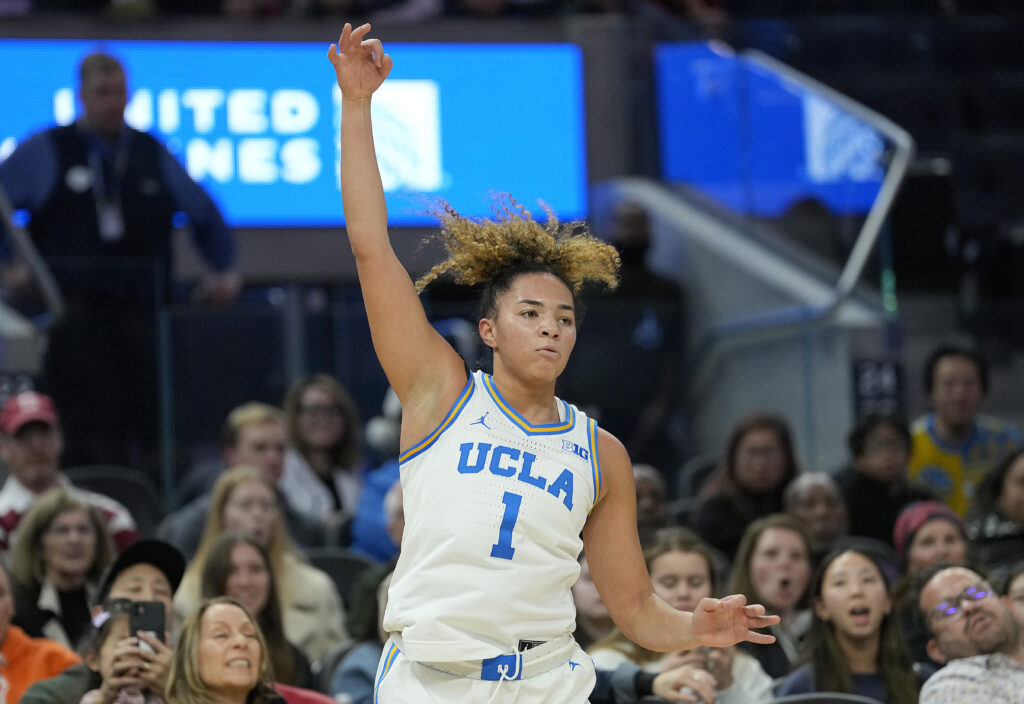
503	671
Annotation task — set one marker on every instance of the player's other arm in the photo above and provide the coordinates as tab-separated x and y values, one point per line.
618	569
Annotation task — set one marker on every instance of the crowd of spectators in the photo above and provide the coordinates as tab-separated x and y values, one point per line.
848	559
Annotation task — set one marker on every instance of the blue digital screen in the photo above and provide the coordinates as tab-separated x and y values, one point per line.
257	123
756	141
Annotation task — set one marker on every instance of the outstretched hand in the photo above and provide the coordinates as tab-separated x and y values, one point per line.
723	622
360	64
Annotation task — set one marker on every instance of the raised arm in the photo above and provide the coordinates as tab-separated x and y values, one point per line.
618	569
426	373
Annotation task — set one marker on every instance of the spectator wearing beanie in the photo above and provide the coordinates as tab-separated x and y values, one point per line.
926	533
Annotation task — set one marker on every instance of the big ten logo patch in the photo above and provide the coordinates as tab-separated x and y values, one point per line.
581	452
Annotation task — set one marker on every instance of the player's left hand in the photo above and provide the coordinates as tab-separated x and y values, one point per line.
727	621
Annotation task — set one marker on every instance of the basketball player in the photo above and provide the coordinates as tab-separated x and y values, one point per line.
500	477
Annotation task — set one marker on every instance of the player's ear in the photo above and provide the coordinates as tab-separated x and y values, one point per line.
486	329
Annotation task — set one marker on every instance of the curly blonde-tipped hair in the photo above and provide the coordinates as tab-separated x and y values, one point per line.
480	251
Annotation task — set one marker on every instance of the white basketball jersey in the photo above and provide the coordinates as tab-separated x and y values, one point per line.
494	508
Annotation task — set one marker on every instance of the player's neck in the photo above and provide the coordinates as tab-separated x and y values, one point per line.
536	404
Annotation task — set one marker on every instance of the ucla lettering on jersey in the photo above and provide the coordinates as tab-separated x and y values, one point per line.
509	462
494	511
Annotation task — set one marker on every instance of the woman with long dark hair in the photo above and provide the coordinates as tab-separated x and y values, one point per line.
854	644
748	484
238	566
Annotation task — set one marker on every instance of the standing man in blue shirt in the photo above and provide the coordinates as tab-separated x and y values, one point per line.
102	199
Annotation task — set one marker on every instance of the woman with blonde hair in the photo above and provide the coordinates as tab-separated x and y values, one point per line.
683	571
60	550
221	657
503	482
244	501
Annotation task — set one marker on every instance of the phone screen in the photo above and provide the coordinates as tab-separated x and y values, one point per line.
148	617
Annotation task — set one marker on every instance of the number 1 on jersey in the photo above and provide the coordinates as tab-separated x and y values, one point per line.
503	548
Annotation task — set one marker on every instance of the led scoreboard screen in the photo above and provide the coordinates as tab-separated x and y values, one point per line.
257	123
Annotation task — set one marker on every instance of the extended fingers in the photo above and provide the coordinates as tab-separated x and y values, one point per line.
760	638
762	621
352	38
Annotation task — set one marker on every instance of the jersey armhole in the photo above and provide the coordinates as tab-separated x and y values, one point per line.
453	413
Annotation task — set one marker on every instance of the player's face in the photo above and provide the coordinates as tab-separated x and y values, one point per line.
104	97
956	391
533	331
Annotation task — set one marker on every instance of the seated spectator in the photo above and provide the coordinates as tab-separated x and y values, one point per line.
996	518
592	618
651	502
245	501
975	634
60	552
254	435
814	498
854	644
120	679
1013	589
323	466
220	631
238	567
954	446
758	465
875	484
926	533
25	660
772	567
682	569
147	570
354	677
31	444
